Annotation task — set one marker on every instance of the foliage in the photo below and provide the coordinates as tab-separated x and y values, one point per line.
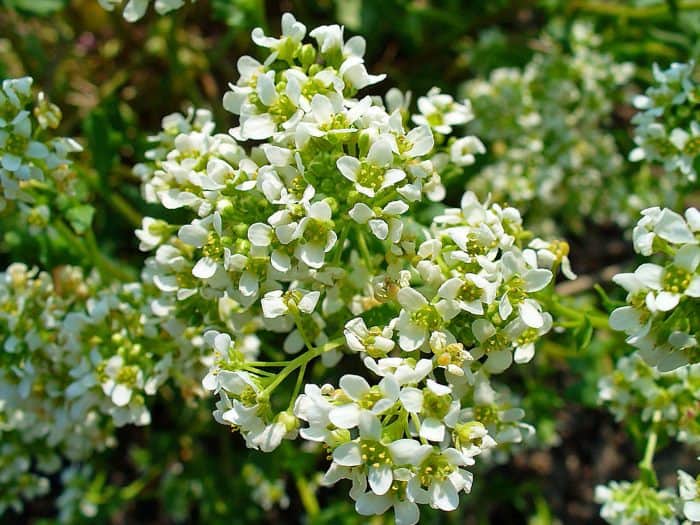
297	292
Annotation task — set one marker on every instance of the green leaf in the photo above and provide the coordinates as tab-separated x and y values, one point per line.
36	7
80	217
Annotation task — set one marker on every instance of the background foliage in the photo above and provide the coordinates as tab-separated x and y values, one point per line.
115	81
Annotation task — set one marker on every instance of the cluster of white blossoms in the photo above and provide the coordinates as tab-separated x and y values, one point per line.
689	491
135	9
668	124
79	358
303	247
32	163
662	317
637	391
627	503
550	153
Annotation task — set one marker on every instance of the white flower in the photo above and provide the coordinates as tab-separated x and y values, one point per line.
362	398
440	480
376	342
468	294
315	234
462	150
277	303
372	174
18	148
293	33
416	319
120	380
440	112
384	224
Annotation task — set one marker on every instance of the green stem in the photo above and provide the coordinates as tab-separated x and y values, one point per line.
302	360
131	490
597	319
88	246
307	496
262	364
362	244
116	201
646	466
104	264
341	242
297	387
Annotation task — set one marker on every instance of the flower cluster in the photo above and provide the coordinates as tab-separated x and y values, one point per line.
135	9
626	503
432	332
303	247
78	358
662	317
19	479
670	401
31	161
689	491
544	124
668	124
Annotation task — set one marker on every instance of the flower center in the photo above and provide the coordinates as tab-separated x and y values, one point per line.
16	145
486	414
436	467
370	176
676	279
374	453
426	317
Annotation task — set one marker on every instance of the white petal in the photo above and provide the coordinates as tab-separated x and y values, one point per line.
345	416
205	268
121	395
355	386
260	234
311	254
379	228
432	429
406	513
444	495
422	140
258	127
667	301
308	302
361	213
380	153
535	280
530	315
412	399
524	354
348	455
409	452
380	479
369	504
650	275
410	299
691	509
498	361
348	166
624	319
